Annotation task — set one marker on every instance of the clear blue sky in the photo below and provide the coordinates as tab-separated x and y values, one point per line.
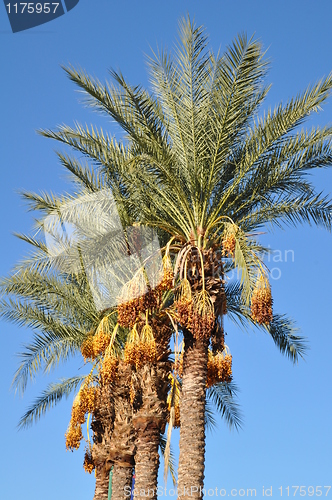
286	439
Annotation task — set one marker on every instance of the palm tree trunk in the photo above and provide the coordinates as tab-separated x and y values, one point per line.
102	426
102	482
149	421
122	450
147	457
121	482
192	411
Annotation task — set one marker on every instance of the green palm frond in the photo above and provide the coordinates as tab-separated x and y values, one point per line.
59	295
45	202
282	170
247	261
44	353
209	417
82	174
56	309
250	160
113	160
129	106
200	127
49	398
222	398
282	329
283	333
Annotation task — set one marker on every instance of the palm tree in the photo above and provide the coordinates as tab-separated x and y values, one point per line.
61	310
60	307
201	165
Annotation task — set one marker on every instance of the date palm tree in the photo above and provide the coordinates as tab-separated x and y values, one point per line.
35	298
201	165
61	310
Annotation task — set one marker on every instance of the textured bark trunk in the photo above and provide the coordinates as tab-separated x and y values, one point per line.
147	458
148	422
121	482
122	451
192	411
102	482
102	426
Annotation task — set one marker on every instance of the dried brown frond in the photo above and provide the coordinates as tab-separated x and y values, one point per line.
177	419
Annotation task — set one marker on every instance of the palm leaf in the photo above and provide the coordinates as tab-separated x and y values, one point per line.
49	398
222	397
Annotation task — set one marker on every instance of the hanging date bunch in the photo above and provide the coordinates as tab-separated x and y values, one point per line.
84	403
136	298
140	347
203	319
101	341
178	363
97	342
73	436
184	304
147	345
219	368
108	369
261	301
195	310
87	349
88	463
229	240
168	274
